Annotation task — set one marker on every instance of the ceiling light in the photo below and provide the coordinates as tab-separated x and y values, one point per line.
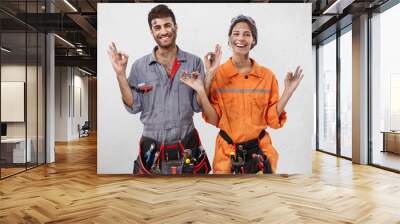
84	71
5	50
70	5
338	6
65	41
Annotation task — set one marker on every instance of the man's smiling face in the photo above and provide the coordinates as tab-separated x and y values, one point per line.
164	31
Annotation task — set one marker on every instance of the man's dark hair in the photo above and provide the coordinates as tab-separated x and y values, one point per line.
160	11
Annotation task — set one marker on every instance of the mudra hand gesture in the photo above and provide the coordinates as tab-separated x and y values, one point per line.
119	60
193	80
212	61
292	81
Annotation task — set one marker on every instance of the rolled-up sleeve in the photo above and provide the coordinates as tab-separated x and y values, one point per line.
214	100
274	120
133	82
200	68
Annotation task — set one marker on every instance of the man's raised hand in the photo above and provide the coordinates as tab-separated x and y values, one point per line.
119	60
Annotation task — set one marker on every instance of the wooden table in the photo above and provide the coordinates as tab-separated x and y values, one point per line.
13	150
391	141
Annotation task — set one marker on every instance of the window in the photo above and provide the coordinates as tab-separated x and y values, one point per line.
327	96
346	94
22	67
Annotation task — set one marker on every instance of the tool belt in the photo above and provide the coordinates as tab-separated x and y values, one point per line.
248	156
183	157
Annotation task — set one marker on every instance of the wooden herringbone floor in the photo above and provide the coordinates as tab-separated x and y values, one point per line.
70	191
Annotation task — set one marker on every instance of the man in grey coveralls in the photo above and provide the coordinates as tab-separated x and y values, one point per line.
166	86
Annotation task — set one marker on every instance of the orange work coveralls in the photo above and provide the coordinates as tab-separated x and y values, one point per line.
245	104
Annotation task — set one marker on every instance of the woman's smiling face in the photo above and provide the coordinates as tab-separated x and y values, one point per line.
241	39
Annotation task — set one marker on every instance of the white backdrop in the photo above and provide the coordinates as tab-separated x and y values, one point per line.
284	41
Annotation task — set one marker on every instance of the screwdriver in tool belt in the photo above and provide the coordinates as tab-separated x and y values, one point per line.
148	153
153	166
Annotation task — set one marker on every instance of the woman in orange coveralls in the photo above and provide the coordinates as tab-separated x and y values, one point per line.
245	98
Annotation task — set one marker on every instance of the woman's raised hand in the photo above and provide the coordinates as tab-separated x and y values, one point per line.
292	81
212	60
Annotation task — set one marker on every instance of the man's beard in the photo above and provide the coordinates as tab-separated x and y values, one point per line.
168	45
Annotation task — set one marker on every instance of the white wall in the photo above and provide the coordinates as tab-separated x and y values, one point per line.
284	42
61	103
68	82
80	84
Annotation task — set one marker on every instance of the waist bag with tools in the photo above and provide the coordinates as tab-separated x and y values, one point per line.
248	156
183	157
